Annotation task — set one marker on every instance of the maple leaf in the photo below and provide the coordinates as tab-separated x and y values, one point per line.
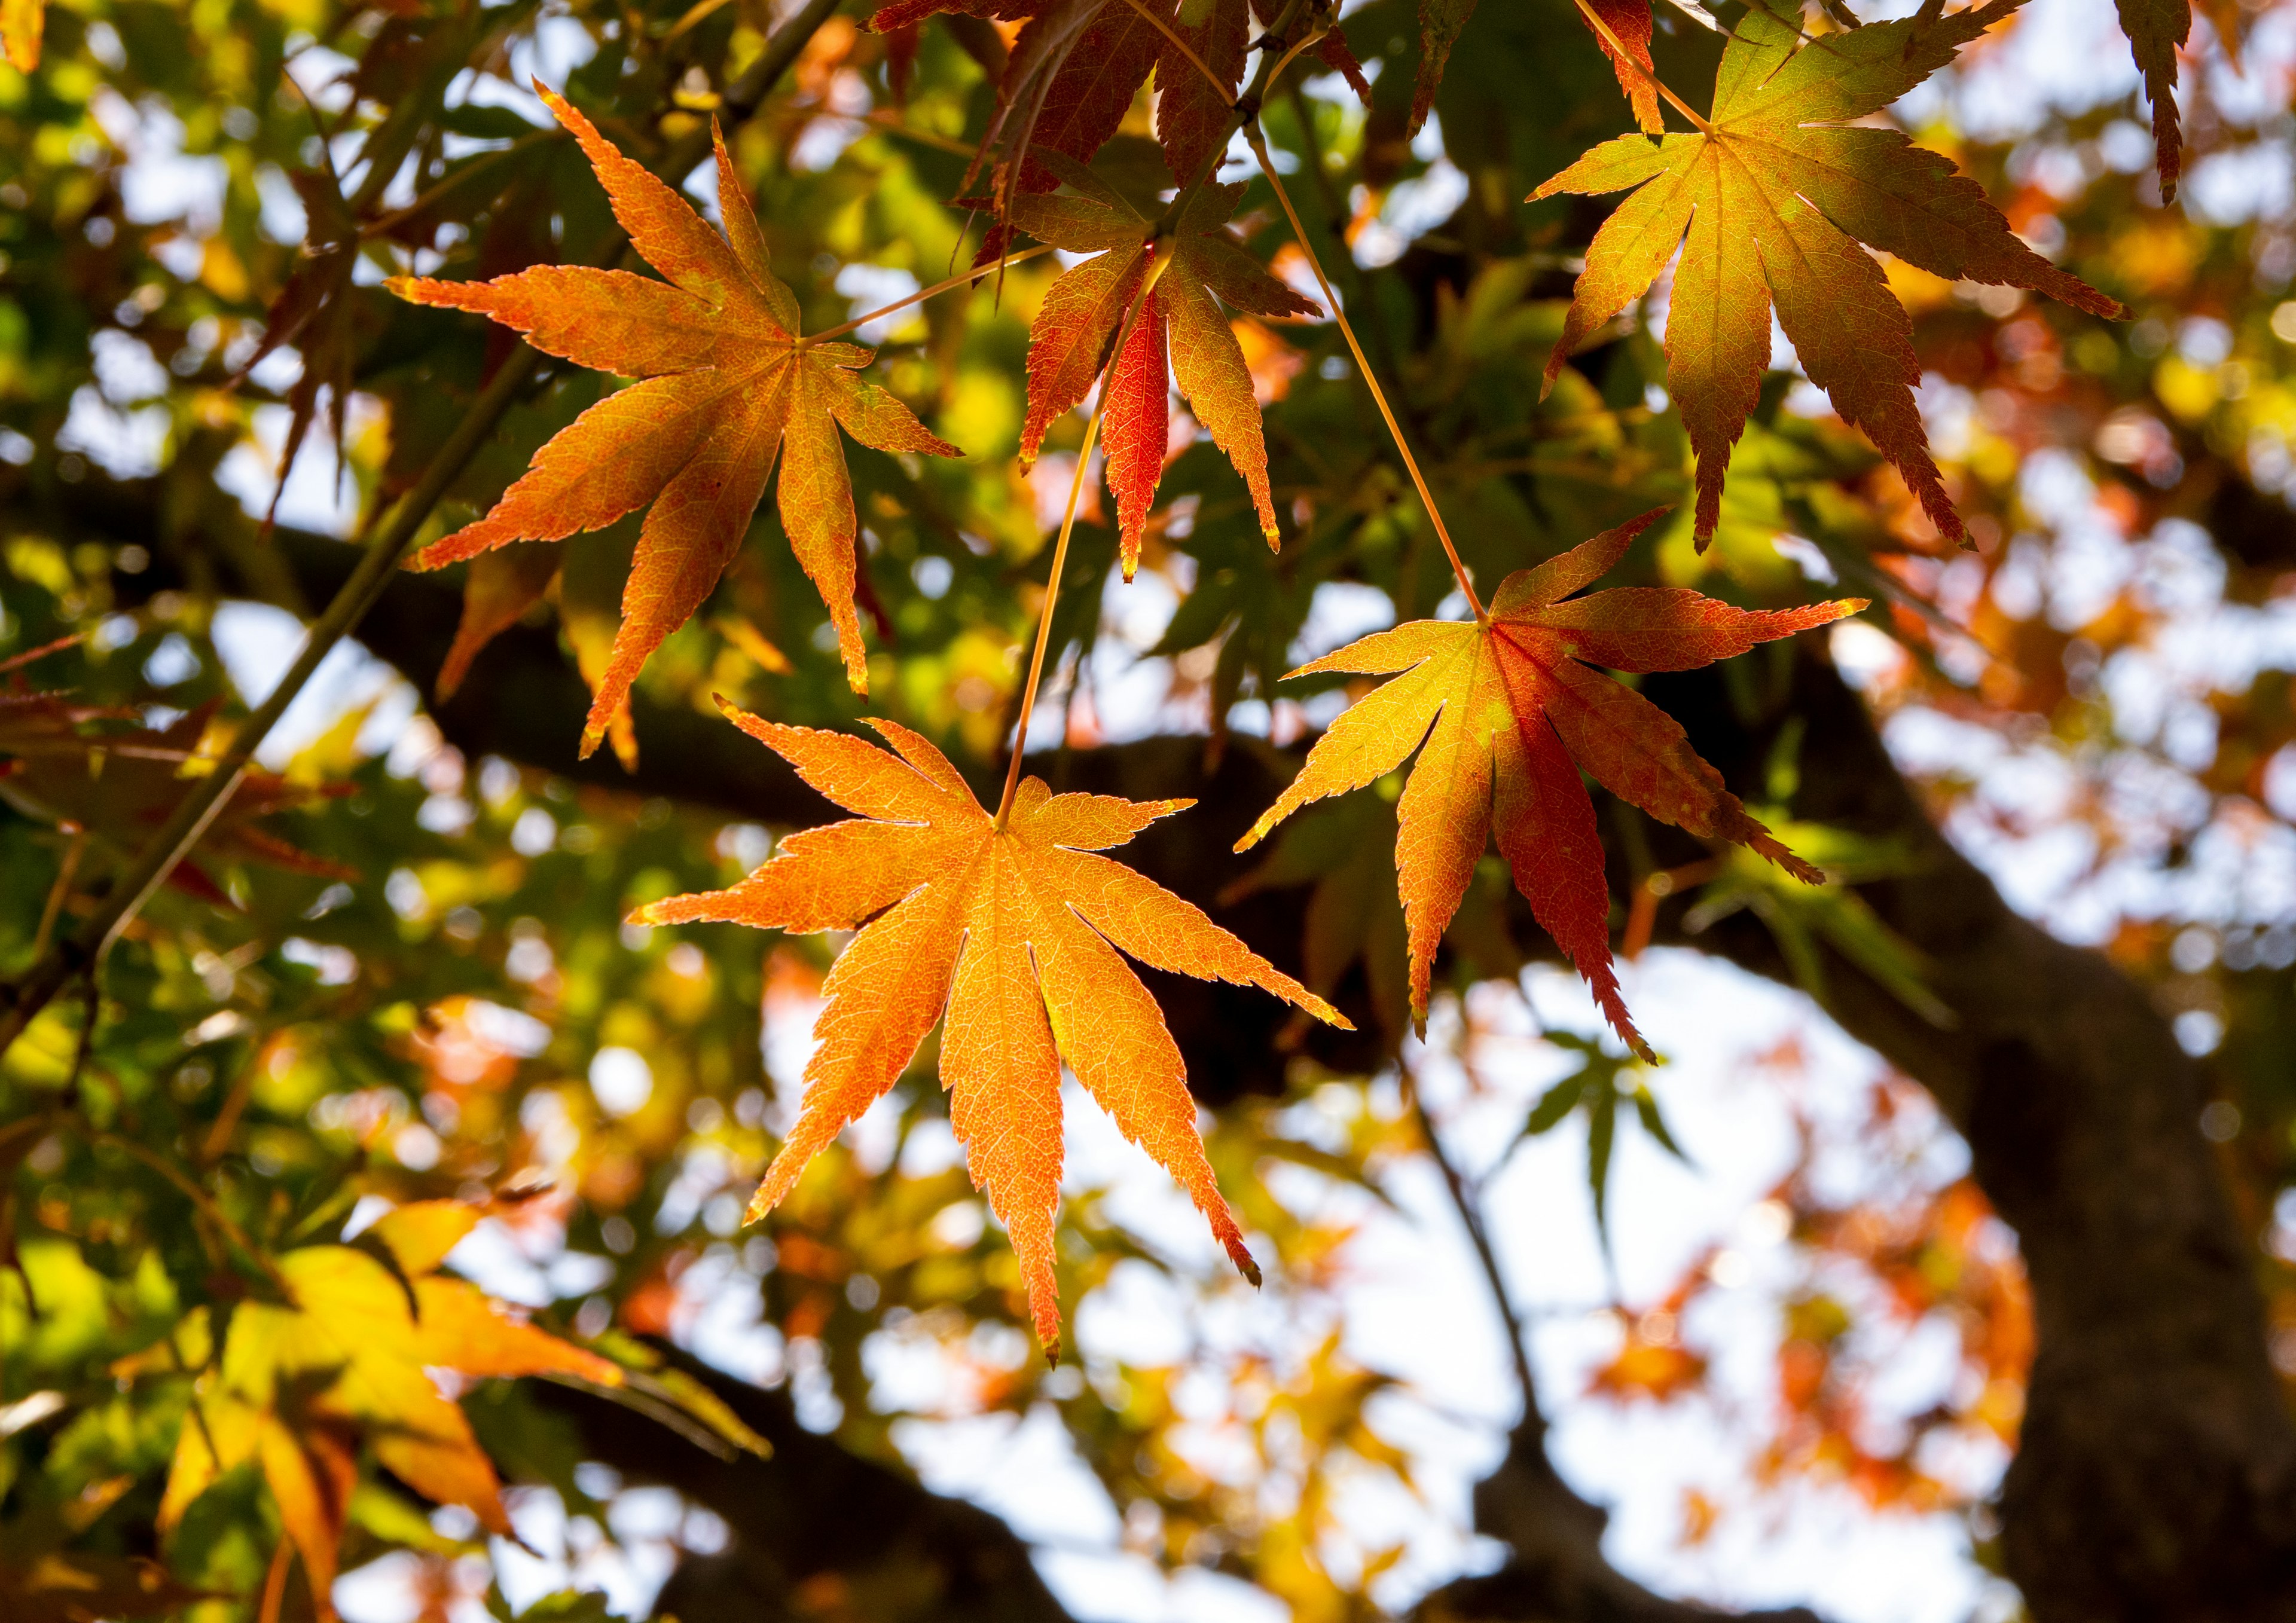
1443	22
1068	80
346	1355
1080	317
21	21
1077	65
1504	708
118	786
1440	22
727	381
1193	119
1014	933
1770	205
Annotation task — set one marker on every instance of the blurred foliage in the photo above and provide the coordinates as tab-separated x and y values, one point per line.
408	978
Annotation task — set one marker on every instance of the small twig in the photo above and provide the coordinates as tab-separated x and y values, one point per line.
1471	1218
59	891
234	1106
1370	379
920	295
17	661
698	12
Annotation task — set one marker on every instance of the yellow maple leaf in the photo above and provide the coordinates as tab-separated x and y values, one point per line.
347	1355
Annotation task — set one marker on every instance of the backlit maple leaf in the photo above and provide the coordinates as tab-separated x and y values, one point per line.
1076	66
1014	932
727	382
1079	319
1505	709
347	1357
1770	207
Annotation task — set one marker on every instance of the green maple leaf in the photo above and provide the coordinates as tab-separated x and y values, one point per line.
1769	204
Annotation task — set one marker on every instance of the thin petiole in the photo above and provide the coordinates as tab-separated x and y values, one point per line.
1067	527
920	295
1370	379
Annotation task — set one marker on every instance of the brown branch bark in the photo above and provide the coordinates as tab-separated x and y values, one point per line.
817	1531
2157	1479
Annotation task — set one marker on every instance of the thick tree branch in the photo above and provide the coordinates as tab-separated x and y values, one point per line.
2157	1478
817	1531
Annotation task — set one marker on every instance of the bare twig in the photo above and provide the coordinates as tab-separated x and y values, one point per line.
922	294
1470	1217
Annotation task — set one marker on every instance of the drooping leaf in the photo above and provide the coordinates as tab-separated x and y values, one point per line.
1770	207
1440	23
1504	709
1068	80
1193	119
1630	21
1077	65
728	383
1015	933
1201	269
2156	29
346	1358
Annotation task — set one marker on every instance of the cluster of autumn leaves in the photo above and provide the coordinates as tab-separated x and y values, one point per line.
1006	927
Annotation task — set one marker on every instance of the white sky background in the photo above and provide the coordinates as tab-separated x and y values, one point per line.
1419	1309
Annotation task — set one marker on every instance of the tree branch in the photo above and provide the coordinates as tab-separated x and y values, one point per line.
817	1530
2157	1478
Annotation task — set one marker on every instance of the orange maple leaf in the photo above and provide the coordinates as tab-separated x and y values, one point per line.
1081	315
727	381
1012	929
1504	708
1769	205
